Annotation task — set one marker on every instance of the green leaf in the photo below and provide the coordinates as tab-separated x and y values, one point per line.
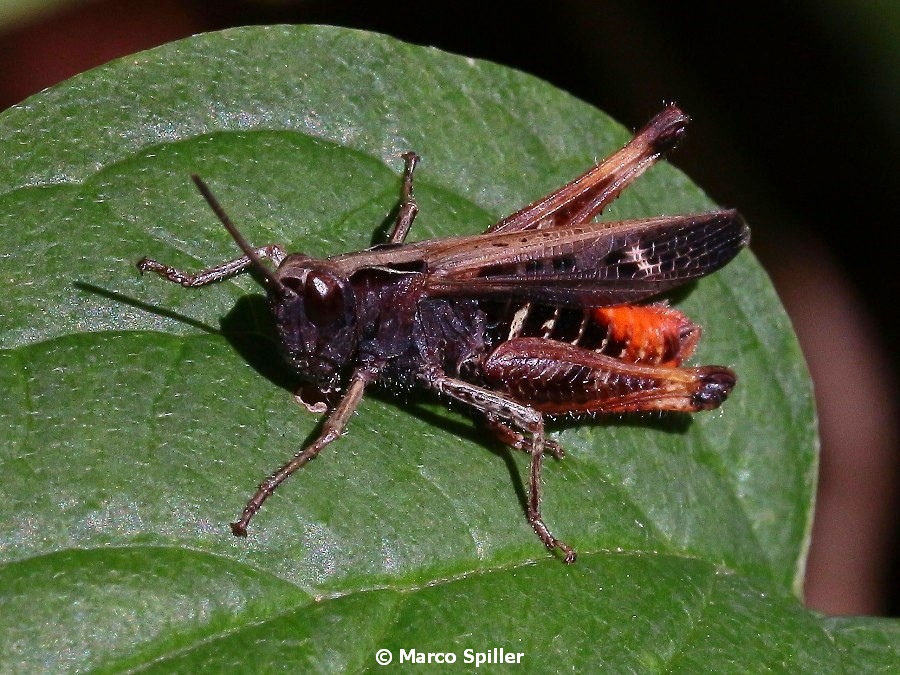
139	416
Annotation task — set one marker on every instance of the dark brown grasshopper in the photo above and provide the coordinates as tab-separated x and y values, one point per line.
531	318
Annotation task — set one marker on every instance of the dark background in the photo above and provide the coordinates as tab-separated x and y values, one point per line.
796	123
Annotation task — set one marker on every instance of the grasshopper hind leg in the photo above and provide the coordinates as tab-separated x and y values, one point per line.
511	415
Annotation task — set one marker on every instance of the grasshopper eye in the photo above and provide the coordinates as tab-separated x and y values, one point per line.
323	299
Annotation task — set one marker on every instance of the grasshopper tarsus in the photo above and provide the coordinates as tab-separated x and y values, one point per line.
408	209
551	542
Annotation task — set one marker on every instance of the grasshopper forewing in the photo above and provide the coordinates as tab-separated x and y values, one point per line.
533	317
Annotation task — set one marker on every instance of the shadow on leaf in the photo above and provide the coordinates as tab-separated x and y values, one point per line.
250	329
115	296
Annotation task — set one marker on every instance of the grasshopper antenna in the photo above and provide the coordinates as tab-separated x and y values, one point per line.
242	243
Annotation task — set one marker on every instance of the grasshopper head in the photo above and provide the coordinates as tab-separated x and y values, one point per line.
313	306
314	310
